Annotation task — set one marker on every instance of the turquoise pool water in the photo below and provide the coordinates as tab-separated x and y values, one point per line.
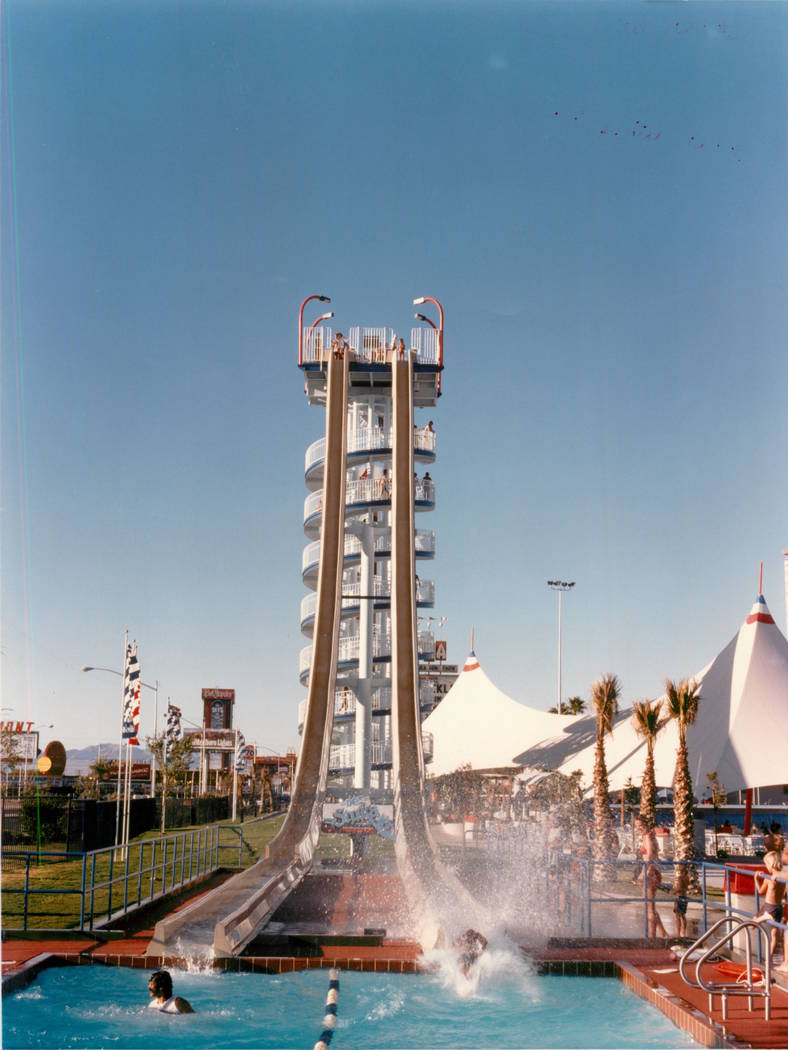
106	1007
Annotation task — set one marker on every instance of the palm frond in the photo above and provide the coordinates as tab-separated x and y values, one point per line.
604	695
646	718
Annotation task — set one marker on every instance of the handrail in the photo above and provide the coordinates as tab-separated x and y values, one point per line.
424	538
370	439
370	345
364	491
381	647
726	988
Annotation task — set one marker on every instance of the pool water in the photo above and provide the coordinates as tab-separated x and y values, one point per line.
106	1007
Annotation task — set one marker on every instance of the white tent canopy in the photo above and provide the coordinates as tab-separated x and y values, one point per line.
741	731
477	725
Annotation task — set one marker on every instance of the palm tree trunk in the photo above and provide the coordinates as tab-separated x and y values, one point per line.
648	789
604	835
684	821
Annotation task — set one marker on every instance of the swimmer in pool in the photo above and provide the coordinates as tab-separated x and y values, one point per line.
160	988
469	946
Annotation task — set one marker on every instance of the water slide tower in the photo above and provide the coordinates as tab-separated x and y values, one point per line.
361	750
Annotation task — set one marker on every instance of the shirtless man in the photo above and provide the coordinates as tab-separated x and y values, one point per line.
160	988
774	893
653	876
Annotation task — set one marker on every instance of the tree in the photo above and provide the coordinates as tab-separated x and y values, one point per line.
10	752
575	705
648	721
562	796
604	696
719	797
173	759
682	700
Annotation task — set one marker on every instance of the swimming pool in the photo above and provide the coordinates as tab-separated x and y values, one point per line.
79	1007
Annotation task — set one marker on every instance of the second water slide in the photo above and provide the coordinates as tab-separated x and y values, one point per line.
237	910
439	902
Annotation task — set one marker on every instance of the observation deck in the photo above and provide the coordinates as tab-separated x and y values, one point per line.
348	654
310	560
371	353
351	600
366	494
366	444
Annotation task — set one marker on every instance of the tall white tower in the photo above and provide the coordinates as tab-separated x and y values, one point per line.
360	757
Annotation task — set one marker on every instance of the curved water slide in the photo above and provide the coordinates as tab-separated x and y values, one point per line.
229	917
440	904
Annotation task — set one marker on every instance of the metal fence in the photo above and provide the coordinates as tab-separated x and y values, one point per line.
59	890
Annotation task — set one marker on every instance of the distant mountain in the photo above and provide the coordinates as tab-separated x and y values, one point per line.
79	761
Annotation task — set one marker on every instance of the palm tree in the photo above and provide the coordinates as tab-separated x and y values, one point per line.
647	722
604	695
576	705
682	700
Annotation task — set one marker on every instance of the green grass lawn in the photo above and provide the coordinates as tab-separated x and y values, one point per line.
123	881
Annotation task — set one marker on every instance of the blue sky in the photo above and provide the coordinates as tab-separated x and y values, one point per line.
176	177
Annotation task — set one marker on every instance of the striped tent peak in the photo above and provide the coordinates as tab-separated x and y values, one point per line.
471	663
760	612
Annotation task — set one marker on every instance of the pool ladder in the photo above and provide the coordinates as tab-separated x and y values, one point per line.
739	987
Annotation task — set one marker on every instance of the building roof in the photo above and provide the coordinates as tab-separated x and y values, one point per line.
479	726
740	731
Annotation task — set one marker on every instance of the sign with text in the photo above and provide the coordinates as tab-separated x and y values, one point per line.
15	727
218	694
139	770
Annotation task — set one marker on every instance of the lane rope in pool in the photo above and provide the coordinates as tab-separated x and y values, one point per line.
330	1016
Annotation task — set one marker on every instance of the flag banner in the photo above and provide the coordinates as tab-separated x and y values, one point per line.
240	752
131	696
173	730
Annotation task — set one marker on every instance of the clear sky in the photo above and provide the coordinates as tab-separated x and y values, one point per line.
595	191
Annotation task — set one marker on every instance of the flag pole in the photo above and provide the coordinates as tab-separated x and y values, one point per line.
120	738
164	749
235	778
126	793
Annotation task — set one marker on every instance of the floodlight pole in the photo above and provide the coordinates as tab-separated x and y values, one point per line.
560	586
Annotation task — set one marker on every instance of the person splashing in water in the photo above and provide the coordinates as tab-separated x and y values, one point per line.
469	946
160	988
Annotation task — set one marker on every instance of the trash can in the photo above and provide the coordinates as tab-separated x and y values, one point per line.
742	887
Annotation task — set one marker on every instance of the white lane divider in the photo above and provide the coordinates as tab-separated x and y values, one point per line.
330	1016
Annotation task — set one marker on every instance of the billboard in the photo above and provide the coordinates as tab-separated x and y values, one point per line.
218	694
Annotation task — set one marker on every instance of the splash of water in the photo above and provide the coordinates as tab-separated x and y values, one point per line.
197	958
501	968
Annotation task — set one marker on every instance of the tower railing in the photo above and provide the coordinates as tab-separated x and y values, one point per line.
381	647
375	346
364	491
370	439
381	588
425	342
425	546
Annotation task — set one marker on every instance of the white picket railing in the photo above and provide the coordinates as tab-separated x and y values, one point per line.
424	341
348	648
370	439
424	542
371	345
364	491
